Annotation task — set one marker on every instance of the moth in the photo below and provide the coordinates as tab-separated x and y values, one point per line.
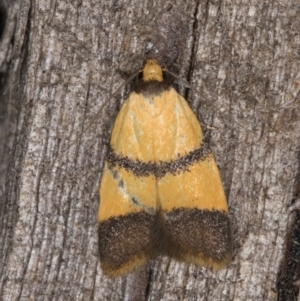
160	191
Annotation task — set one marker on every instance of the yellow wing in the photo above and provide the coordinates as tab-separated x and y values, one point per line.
127	208
192	201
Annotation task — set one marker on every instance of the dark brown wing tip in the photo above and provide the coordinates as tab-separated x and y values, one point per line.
128	267
125	242
202	237
199	236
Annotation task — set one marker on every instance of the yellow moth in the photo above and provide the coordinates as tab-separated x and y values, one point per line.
161	191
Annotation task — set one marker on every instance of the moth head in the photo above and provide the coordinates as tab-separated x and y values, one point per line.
152	71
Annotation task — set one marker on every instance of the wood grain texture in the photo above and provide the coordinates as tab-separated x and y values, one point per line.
66	60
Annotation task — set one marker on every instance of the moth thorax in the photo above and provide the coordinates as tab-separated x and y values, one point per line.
152	71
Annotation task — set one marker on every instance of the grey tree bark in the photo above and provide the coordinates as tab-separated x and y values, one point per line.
65	59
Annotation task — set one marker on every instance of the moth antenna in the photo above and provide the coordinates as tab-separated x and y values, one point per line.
209	127
188	85
184	82
113	95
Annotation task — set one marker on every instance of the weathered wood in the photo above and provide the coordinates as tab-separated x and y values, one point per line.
66	59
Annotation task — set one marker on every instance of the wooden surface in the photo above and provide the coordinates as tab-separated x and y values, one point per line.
66	58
